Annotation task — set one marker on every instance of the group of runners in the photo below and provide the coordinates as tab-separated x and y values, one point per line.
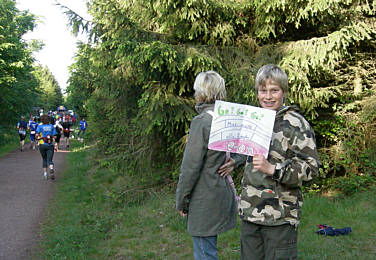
45	134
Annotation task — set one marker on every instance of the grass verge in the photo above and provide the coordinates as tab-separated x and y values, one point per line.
11	142
86	222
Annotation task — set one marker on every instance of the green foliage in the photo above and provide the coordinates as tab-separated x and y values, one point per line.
134	78
348	154
23	85
354	183
328	130
316	57
82	76
17	84
276	18
50	92
202	22
9	142
77	22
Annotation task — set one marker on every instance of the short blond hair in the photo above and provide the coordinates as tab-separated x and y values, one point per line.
271	73
209	86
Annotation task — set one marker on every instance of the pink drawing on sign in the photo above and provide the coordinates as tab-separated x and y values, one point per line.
239	146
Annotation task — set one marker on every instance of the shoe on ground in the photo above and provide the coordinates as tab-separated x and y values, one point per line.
52	172
45	176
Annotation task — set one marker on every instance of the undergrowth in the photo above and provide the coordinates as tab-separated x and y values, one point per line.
10	142
93	217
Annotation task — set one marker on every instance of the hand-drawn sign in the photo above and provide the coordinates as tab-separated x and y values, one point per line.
239	128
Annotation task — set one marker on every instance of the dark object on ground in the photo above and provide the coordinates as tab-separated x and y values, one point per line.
330	231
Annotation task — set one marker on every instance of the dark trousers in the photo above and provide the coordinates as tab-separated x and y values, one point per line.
57	138
47	152
81	133
260	242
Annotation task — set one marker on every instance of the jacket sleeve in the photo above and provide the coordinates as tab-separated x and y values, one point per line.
302	162
239	159
193	158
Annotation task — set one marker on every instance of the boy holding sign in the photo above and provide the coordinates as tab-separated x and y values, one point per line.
271	198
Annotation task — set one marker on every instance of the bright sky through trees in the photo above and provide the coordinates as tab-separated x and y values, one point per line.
52	29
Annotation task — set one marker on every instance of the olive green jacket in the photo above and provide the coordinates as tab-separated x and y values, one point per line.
211	208
276	200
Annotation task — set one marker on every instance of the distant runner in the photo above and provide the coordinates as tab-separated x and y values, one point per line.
22	127
66	130
83	126
33	127
59	129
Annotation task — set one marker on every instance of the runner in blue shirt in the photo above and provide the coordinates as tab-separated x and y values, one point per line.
83	126
33	127
28	123
22	127
46	134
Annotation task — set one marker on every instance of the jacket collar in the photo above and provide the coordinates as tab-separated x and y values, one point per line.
284	109
203	107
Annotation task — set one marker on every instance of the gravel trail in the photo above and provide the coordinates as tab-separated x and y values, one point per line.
24	197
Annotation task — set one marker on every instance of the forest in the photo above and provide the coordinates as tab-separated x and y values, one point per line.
133	79
24	84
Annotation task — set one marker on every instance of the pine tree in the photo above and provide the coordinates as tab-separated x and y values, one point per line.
144	55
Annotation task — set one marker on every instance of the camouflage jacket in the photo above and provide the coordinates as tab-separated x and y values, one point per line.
276	200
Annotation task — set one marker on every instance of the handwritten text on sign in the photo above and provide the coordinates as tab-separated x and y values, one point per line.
241	129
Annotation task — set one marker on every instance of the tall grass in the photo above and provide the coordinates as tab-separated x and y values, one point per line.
10	142
84	222
76	220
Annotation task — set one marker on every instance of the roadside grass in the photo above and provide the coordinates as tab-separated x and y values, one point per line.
10	143
357	211
86	222
74	216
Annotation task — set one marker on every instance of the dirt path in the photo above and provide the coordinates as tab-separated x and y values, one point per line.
24	197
